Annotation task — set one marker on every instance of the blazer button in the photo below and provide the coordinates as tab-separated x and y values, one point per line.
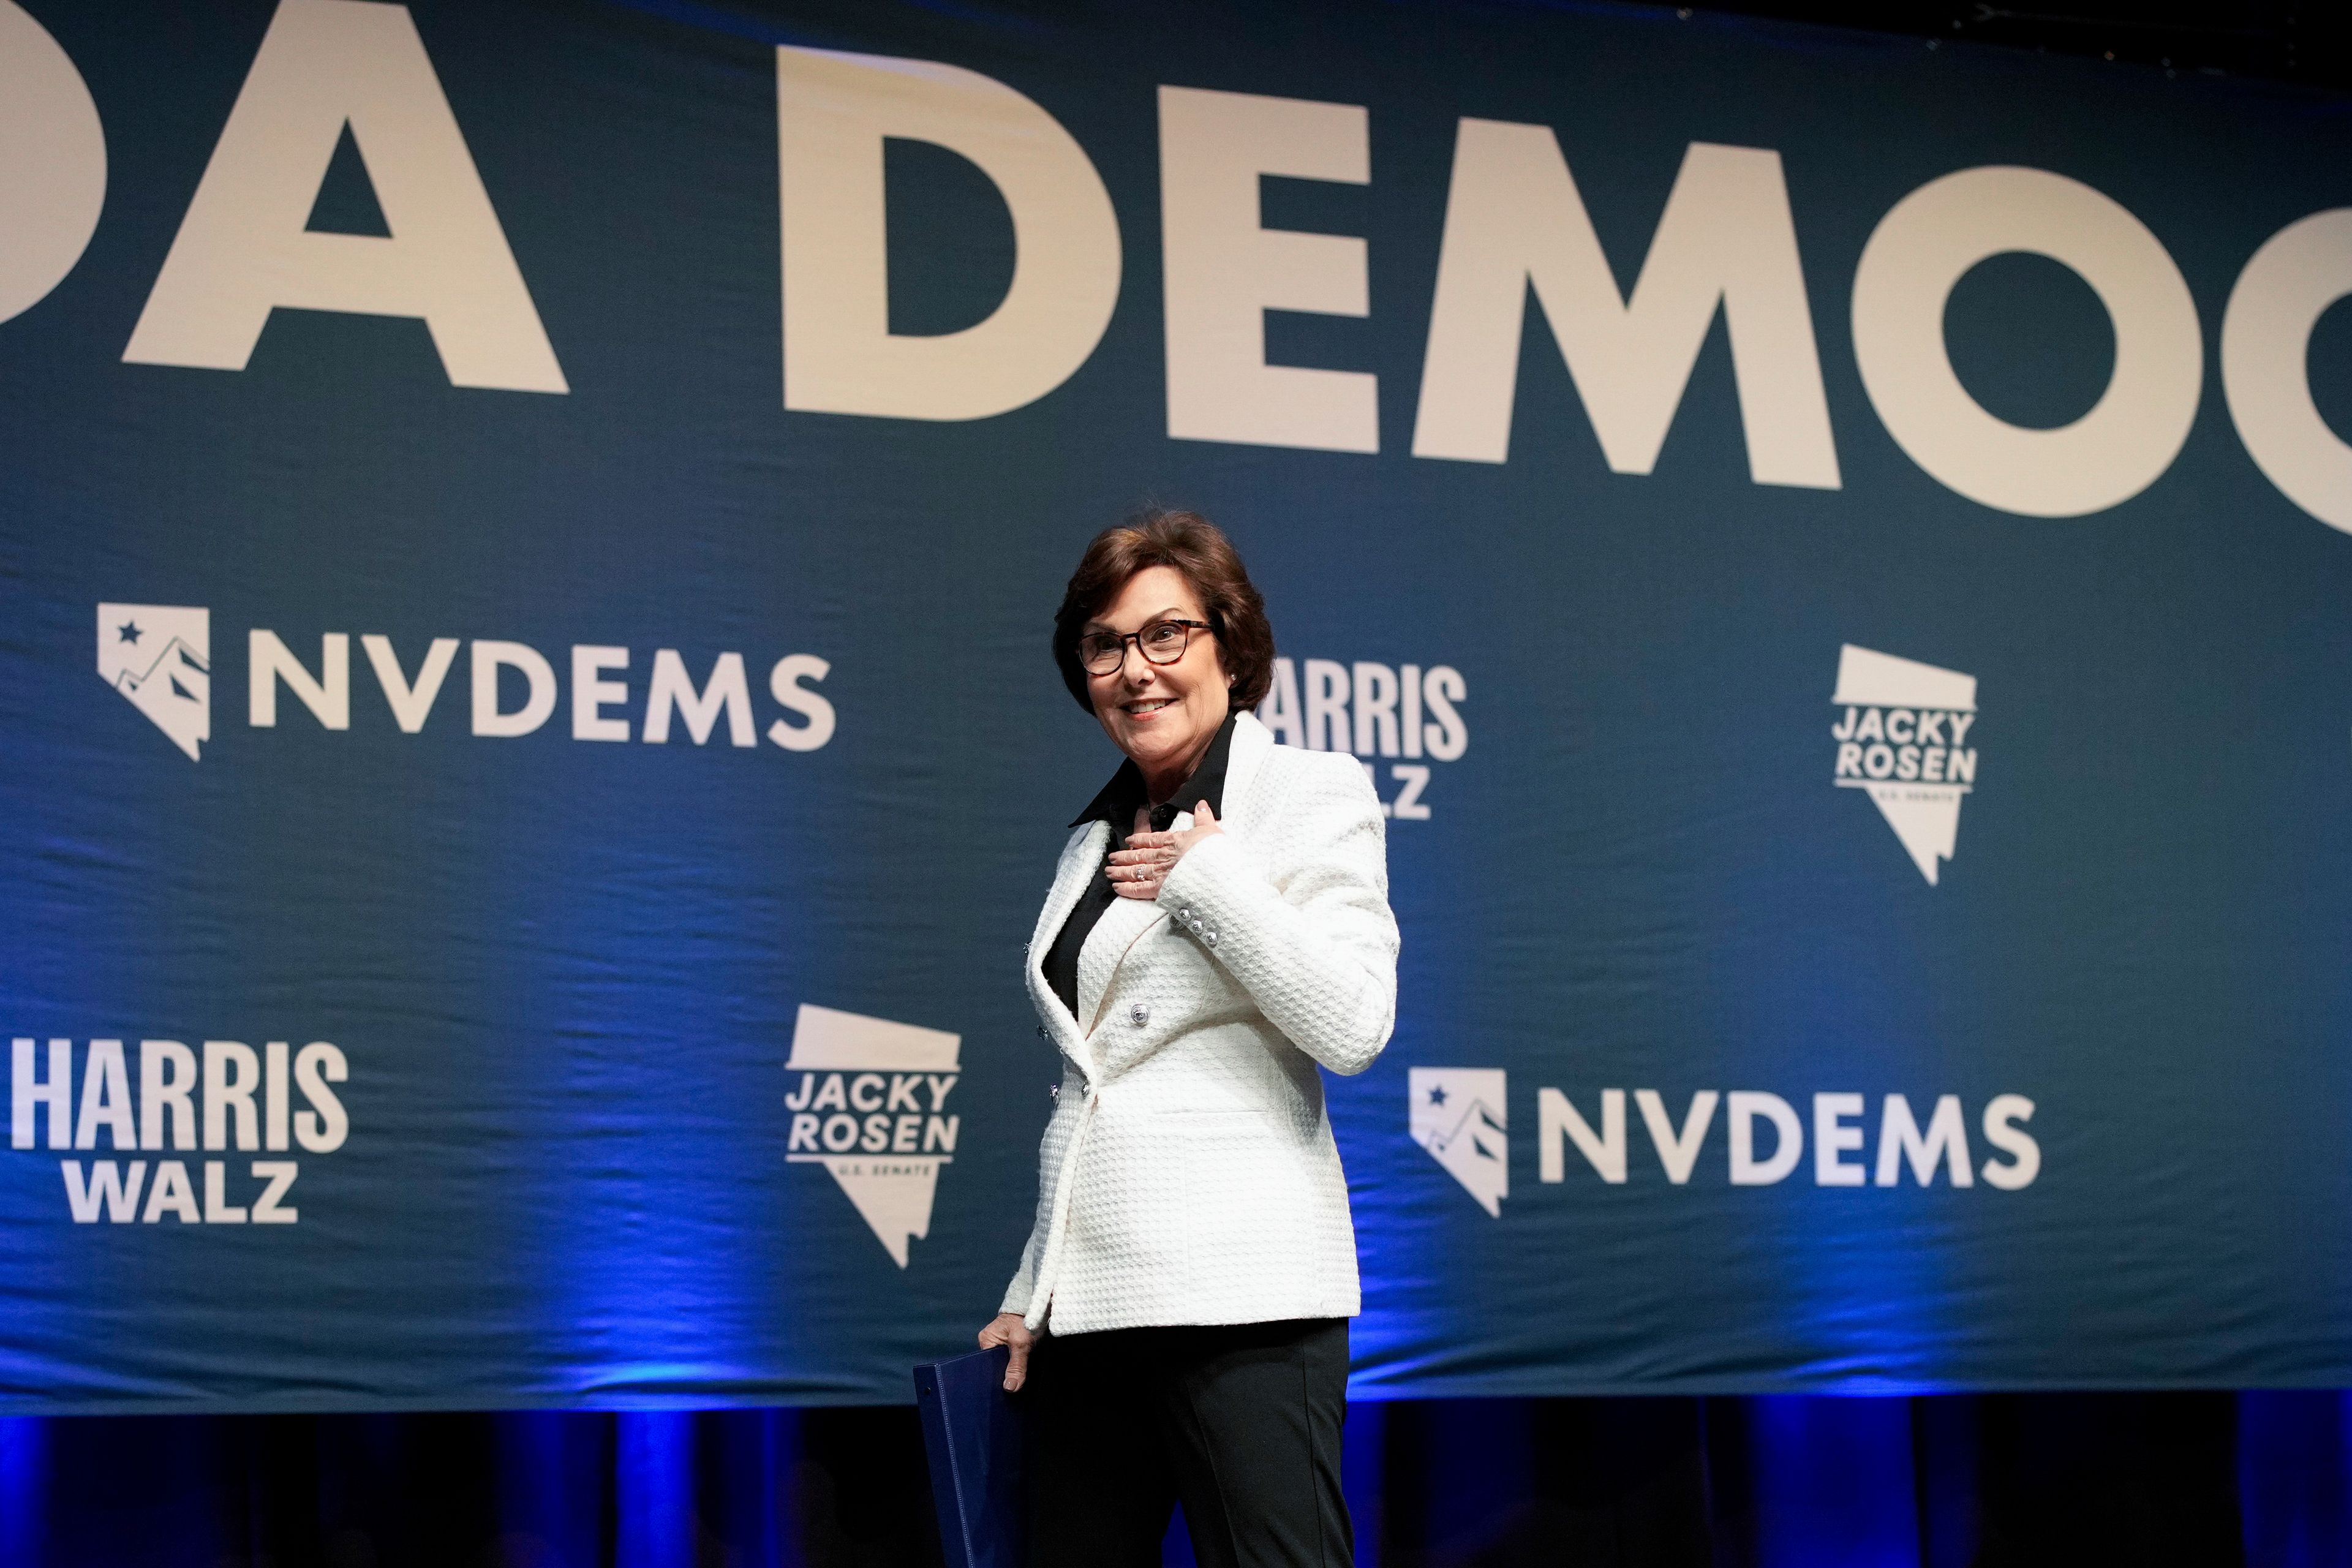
1054	1091
1041	1032
1139	1014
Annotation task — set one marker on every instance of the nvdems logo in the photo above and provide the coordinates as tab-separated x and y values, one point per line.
1904	737
1460	1116
1761	1138
160	656
870	1106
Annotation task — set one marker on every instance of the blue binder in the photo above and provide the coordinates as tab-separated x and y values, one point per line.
974	1436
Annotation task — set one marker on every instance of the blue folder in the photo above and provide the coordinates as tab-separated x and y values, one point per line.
974	1436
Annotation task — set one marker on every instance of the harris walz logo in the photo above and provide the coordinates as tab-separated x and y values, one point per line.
278	1100
1377	711
1905	736
160	656
1459	1115
870	1106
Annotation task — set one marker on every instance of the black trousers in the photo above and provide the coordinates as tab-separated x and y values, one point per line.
1240	1423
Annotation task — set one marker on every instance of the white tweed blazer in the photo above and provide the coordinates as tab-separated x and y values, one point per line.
1188	1174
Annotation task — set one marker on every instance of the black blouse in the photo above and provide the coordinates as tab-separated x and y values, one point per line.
1116	805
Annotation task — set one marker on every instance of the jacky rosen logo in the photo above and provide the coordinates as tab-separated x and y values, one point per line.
871	1107
1904	739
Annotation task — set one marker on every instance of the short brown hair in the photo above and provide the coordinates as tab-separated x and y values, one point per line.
1196	547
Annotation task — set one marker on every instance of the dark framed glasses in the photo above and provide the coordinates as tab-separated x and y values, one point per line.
1162	642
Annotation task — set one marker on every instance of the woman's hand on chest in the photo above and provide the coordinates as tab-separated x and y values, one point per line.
1139	870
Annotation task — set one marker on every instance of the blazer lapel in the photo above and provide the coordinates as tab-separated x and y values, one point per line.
1252	743
1113	928
1080	858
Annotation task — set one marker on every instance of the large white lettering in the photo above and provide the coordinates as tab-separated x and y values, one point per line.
817	717
1224	271
1900	1141
26	1091
673	688
244	249
1558	1120
491	655
1927	243
2002	1113
1514	218
409	703
833	111
1789	1134
592	694
232	1073
106	1098
322	1127
52	164
328	695
2288	285
246	1096
1832	1138
167	1081
1839	1134
1678	1151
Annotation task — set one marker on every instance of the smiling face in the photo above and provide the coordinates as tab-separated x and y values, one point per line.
1162	715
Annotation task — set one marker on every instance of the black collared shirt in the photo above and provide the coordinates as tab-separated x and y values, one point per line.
1116	805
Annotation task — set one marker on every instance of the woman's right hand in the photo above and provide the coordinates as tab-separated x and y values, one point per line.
1008	1329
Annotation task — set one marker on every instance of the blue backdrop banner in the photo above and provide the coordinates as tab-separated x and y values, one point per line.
1833	550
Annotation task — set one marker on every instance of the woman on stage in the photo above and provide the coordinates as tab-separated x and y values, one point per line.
1218	930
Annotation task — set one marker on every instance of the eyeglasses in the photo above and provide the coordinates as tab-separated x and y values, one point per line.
1162	642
